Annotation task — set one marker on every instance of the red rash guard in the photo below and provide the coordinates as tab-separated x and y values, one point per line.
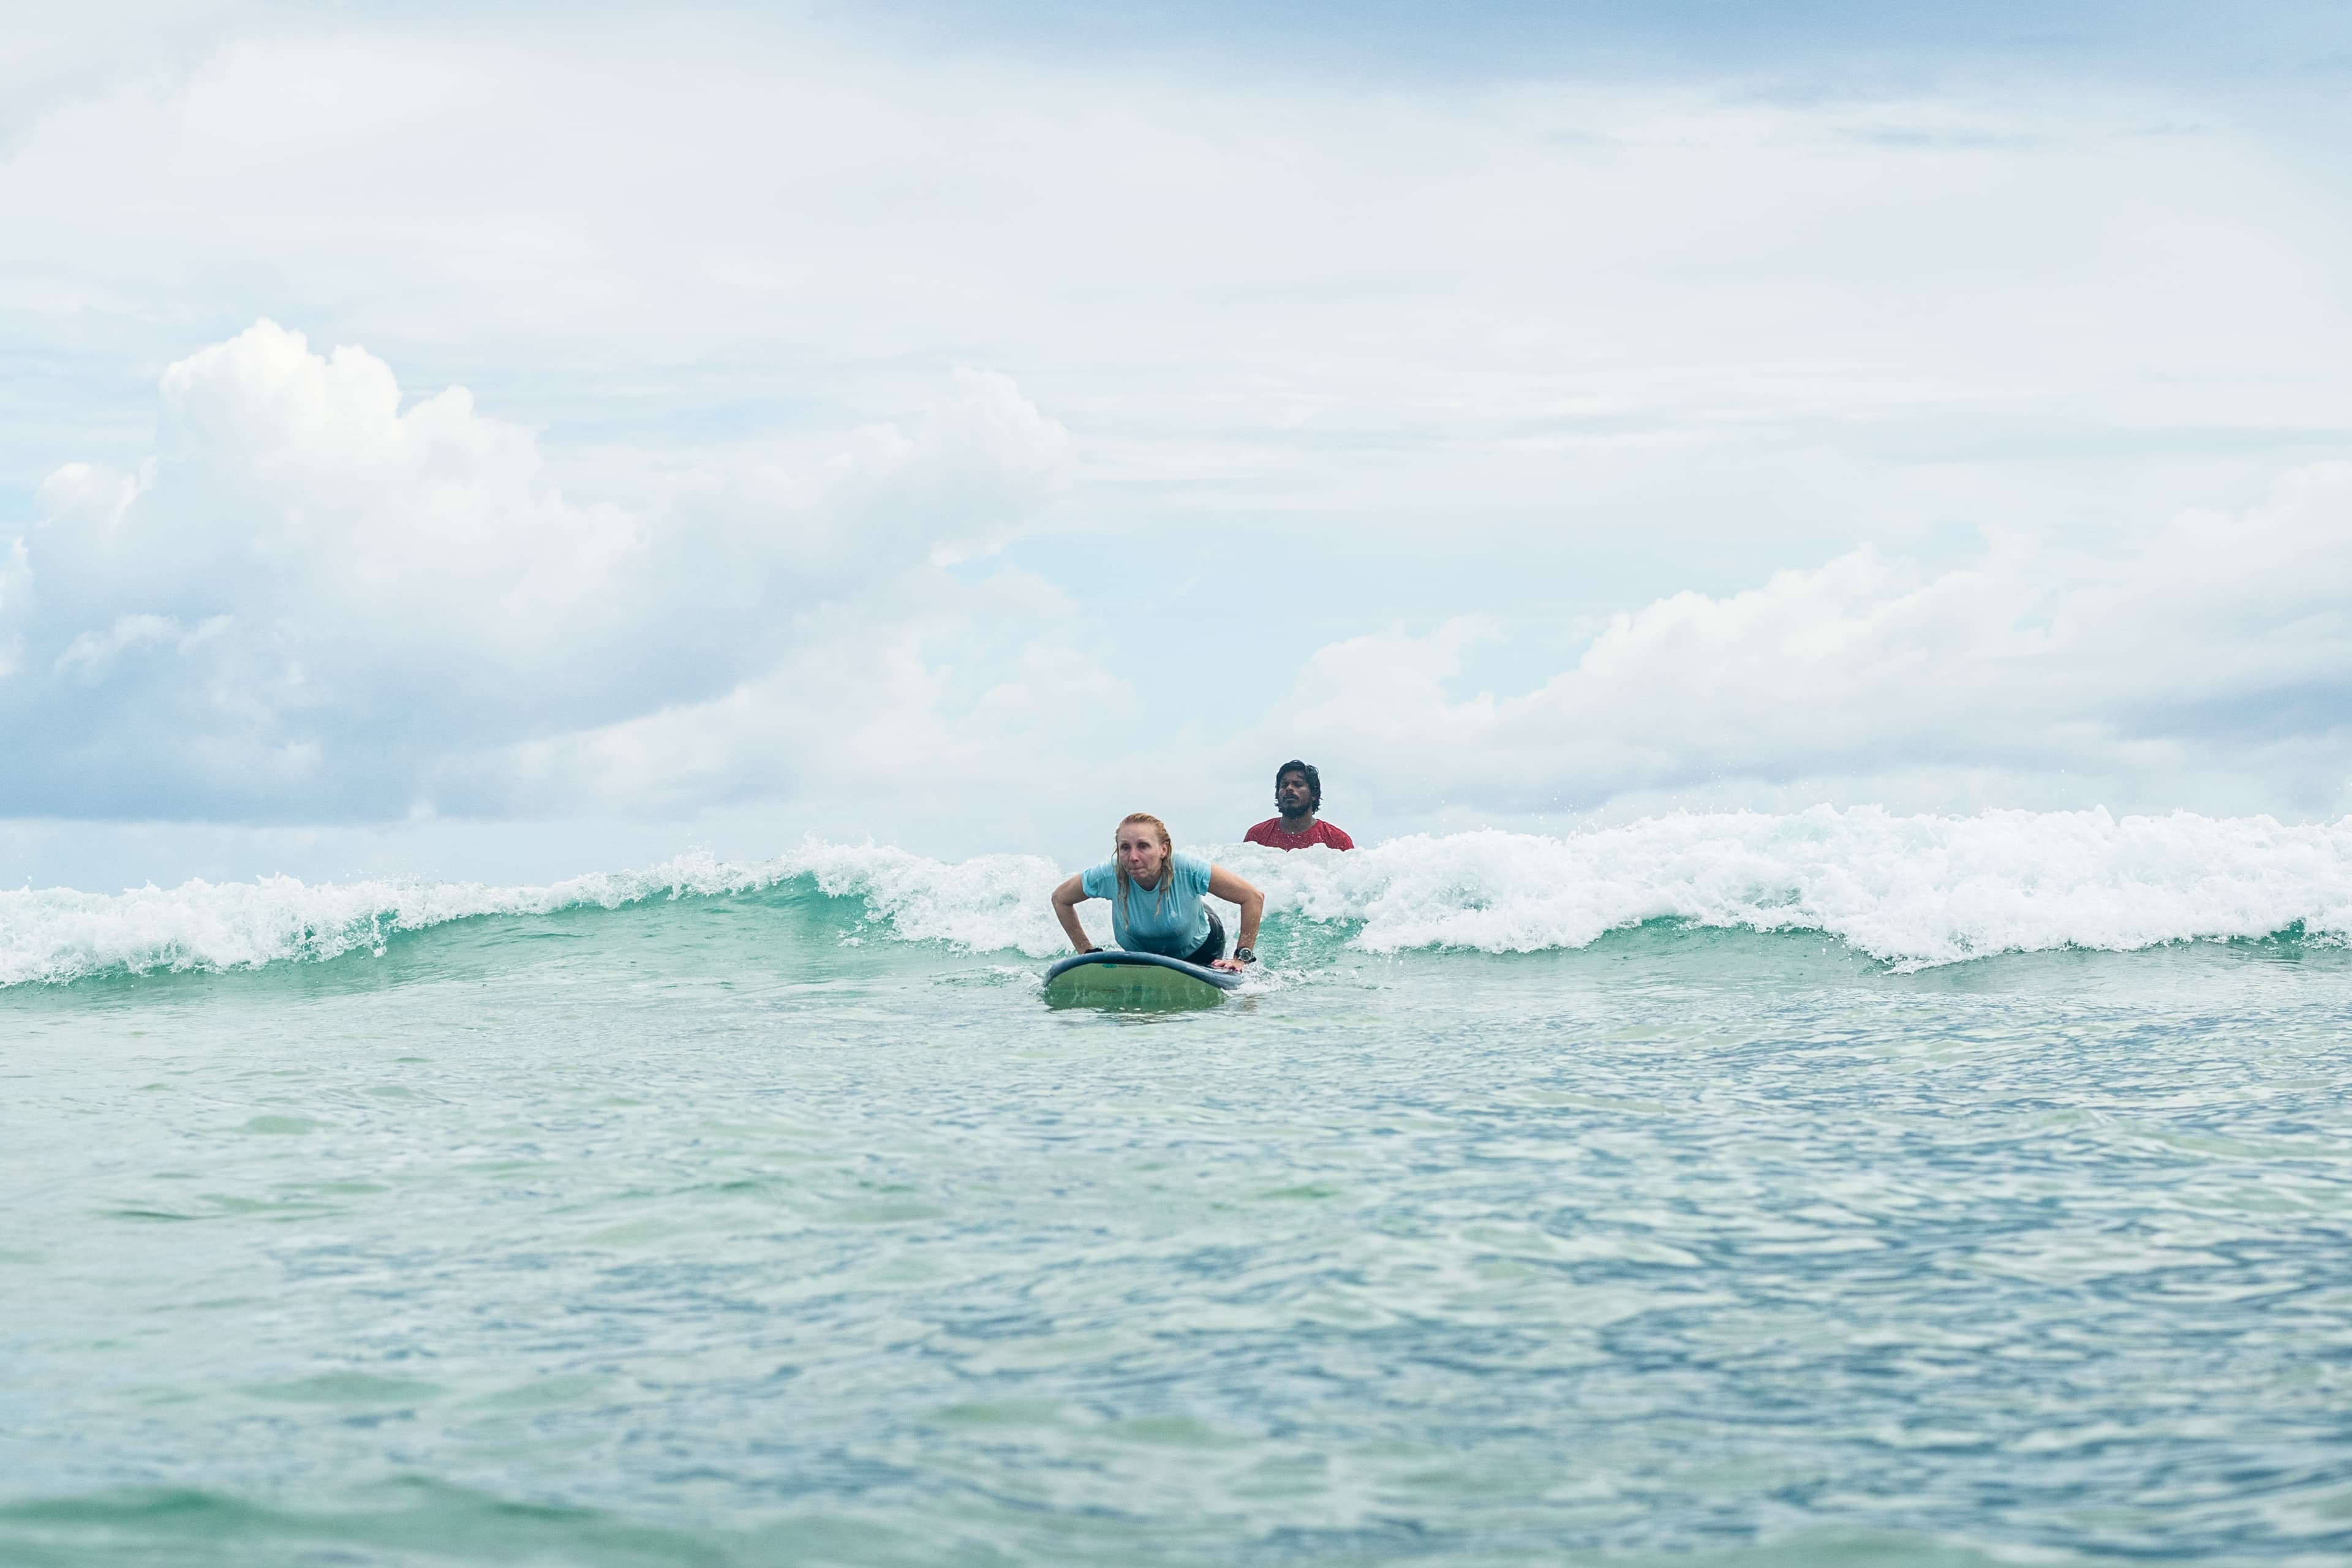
1270	834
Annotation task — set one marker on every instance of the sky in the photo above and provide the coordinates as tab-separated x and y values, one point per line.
505	441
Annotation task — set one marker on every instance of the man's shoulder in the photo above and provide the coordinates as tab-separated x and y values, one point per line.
1334	836
1263	832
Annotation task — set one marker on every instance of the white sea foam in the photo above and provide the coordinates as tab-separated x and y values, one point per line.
57	934
1912	889
1909	890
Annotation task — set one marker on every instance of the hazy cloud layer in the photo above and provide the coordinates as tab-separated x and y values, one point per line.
1589	309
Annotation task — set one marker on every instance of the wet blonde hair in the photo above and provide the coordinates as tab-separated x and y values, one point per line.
1167	857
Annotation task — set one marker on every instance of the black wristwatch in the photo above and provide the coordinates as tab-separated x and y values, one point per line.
1245	955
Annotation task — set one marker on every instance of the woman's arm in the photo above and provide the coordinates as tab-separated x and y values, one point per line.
1225	885
1066	900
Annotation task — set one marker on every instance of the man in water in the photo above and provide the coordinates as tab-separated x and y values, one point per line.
1299	795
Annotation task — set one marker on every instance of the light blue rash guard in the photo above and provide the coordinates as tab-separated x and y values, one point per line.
1173	926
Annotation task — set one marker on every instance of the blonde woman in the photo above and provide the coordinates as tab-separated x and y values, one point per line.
1156	899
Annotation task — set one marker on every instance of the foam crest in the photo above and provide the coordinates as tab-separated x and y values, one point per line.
58	934
1911	890
986	904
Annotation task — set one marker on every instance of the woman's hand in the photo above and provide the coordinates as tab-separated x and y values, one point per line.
1224	884
1066	900
1235	964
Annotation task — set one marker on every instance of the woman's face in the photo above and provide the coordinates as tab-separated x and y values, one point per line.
1139	854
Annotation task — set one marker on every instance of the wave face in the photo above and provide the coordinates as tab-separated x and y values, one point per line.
1908	890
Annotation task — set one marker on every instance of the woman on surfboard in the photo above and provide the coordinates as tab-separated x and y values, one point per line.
1156	899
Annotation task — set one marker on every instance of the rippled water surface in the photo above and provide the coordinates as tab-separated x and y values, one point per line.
729	1229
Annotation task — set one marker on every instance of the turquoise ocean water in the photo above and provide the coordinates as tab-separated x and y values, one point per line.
1819	1189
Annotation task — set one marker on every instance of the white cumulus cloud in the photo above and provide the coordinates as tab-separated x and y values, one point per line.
315	601
2212	657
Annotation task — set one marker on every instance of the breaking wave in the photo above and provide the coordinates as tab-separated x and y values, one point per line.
1910	891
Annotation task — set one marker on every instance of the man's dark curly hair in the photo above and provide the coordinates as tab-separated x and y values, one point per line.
1314	779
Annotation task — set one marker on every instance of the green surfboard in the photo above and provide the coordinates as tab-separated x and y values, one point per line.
1108	978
